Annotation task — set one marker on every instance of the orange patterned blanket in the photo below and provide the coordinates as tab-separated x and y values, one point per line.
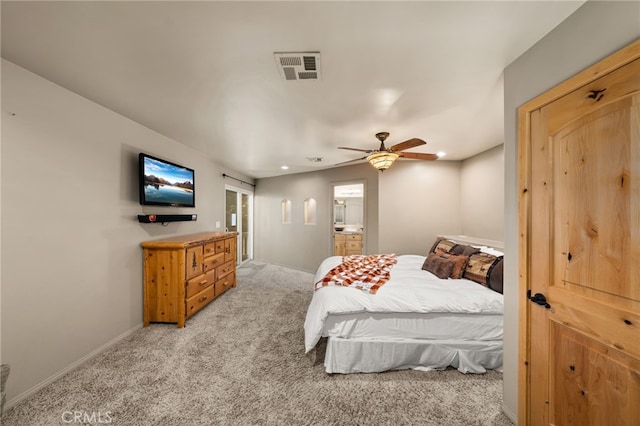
367	273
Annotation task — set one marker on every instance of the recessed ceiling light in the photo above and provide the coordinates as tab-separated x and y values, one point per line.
441	154
284	167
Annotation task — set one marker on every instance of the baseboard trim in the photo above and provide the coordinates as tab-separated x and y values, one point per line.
285	266
26	394
507	412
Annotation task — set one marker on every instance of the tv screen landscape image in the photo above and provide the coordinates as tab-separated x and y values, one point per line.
163	183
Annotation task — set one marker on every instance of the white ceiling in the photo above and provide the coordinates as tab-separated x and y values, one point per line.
204	74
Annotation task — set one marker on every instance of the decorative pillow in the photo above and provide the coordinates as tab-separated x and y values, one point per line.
438	266
444	245
433	247
459	263
464	250
479	267
496	276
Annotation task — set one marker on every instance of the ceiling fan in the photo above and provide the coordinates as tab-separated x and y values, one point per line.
383	157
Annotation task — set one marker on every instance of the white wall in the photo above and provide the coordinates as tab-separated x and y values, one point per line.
72	264
418	200
303	246
592	33
482	194
407	206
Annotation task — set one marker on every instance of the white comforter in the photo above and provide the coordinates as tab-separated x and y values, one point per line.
410	289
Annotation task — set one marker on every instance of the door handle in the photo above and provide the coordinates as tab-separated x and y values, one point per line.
538	299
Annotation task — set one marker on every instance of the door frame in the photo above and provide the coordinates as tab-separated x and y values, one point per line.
362	182
611	63
239	244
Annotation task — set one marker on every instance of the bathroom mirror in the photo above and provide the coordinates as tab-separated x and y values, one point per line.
348	207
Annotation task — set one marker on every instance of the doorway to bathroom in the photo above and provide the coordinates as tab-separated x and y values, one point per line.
348	225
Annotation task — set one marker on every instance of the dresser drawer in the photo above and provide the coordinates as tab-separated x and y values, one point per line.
199	283
219	246
229	249
209	249
212	262
193	261
223	270
225	283
352	245
353	237
200	300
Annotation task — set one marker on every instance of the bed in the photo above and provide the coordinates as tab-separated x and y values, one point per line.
420	318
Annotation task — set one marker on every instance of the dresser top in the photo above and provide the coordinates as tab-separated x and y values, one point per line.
181	241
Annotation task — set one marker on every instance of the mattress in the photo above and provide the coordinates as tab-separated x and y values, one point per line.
413	304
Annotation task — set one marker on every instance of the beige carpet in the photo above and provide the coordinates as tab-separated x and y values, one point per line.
241	361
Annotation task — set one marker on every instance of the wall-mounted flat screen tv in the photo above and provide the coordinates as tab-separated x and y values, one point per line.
163	183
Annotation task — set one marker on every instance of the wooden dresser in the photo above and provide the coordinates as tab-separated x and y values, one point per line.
347	244
183	274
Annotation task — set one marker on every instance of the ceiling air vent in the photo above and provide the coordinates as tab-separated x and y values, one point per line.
298	65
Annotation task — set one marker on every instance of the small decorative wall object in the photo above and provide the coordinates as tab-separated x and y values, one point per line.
286	212
310	211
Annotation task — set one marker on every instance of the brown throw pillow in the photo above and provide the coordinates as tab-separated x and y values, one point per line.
496	276
444	245
479	267
459	263
464	250
438	266
435	244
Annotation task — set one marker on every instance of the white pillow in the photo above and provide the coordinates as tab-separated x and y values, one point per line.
491	251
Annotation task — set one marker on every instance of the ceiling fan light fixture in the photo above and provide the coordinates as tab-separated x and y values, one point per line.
382	160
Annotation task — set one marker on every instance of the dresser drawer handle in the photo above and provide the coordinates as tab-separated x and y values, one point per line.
203	298
203	283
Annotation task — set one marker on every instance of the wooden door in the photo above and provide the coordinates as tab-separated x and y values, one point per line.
580	251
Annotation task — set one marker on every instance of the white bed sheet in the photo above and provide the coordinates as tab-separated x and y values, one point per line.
409	290
435	325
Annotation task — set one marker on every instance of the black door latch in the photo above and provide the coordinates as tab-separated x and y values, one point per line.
538	299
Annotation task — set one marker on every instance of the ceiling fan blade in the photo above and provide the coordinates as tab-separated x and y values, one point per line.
418	156
356	149
350	161
411	143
